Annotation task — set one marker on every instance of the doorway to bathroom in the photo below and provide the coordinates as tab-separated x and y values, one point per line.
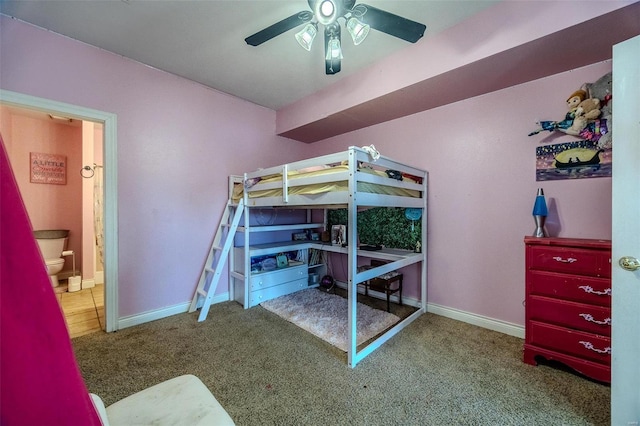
95	172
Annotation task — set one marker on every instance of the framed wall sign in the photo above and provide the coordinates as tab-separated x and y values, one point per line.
48	168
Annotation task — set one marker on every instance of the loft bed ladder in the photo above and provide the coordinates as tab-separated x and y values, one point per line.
218	255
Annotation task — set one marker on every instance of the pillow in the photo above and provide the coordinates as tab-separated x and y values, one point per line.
102	411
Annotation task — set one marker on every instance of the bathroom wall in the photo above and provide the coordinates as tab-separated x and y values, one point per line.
50	206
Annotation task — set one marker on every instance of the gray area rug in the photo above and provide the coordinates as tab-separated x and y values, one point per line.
326	316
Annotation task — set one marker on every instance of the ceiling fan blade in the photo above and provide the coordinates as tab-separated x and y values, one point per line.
279	28
391	24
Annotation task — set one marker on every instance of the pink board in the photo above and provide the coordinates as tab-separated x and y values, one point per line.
40	379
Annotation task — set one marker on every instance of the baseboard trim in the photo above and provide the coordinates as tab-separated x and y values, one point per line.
456	314
478	320
88	283
130	321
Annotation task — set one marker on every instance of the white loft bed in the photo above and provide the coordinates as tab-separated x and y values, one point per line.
354	179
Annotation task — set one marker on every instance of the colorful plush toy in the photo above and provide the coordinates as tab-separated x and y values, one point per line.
582	117
601	89
587	110
572	104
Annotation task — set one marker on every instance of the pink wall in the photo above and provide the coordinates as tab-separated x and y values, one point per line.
50	206
177	143
482	186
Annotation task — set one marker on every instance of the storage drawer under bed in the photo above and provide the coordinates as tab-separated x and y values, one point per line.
259	296
278	276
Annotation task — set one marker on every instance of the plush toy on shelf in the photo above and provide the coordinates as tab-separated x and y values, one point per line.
600	129
572	106
582	111
587	110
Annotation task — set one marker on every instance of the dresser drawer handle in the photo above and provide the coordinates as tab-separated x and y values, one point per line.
589	289
567	260
590	318
590	346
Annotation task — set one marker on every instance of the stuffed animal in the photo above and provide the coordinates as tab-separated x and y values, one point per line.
584	108
602	89
586	111
573	101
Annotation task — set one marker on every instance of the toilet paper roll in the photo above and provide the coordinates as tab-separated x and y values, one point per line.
67	252
74	284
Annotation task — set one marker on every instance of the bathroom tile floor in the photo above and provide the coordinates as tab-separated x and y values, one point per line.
83	310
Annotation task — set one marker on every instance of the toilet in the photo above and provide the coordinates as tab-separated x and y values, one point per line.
52	243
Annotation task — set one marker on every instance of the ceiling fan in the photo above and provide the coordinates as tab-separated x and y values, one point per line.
359	19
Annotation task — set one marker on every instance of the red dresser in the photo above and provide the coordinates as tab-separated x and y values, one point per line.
568	304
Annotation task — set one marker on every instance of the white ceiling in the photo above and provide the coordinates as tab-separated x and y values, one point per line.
204	40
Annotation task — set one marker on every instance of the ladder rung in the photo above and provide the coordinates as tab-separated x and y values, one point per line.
238	275
202	292
218	248
209	269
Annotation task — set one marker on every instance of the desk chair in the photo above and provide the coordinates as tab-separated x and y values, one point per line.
384	283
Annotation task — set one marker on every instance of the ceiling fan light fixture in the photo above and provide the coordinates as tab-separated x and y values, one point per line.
359	20
306	36
358	30
326	11
334	51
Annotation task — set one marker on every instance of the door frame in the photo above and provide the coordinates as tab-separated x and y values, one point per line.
109	121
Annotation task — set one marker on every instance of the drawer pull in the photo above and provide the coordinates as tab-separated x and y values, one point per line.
590	318
589	289
567	260
590	346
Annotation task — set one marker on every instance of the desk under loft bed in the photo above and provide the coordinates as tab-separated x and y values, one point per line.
355	179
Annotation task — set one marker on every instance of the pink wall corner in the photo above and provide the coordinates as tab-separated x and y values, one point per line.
482	187
177	143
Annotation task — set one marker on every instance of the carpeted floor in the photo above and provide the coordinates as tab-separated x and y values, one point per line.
267	371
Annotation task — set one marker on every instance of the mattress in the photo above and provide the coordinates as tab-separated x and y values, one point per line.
325	186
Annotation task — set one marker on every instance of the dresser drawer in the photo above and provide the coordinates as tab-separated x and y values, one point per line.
590	318
584	345
570	260
596	291
259	296
278	276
